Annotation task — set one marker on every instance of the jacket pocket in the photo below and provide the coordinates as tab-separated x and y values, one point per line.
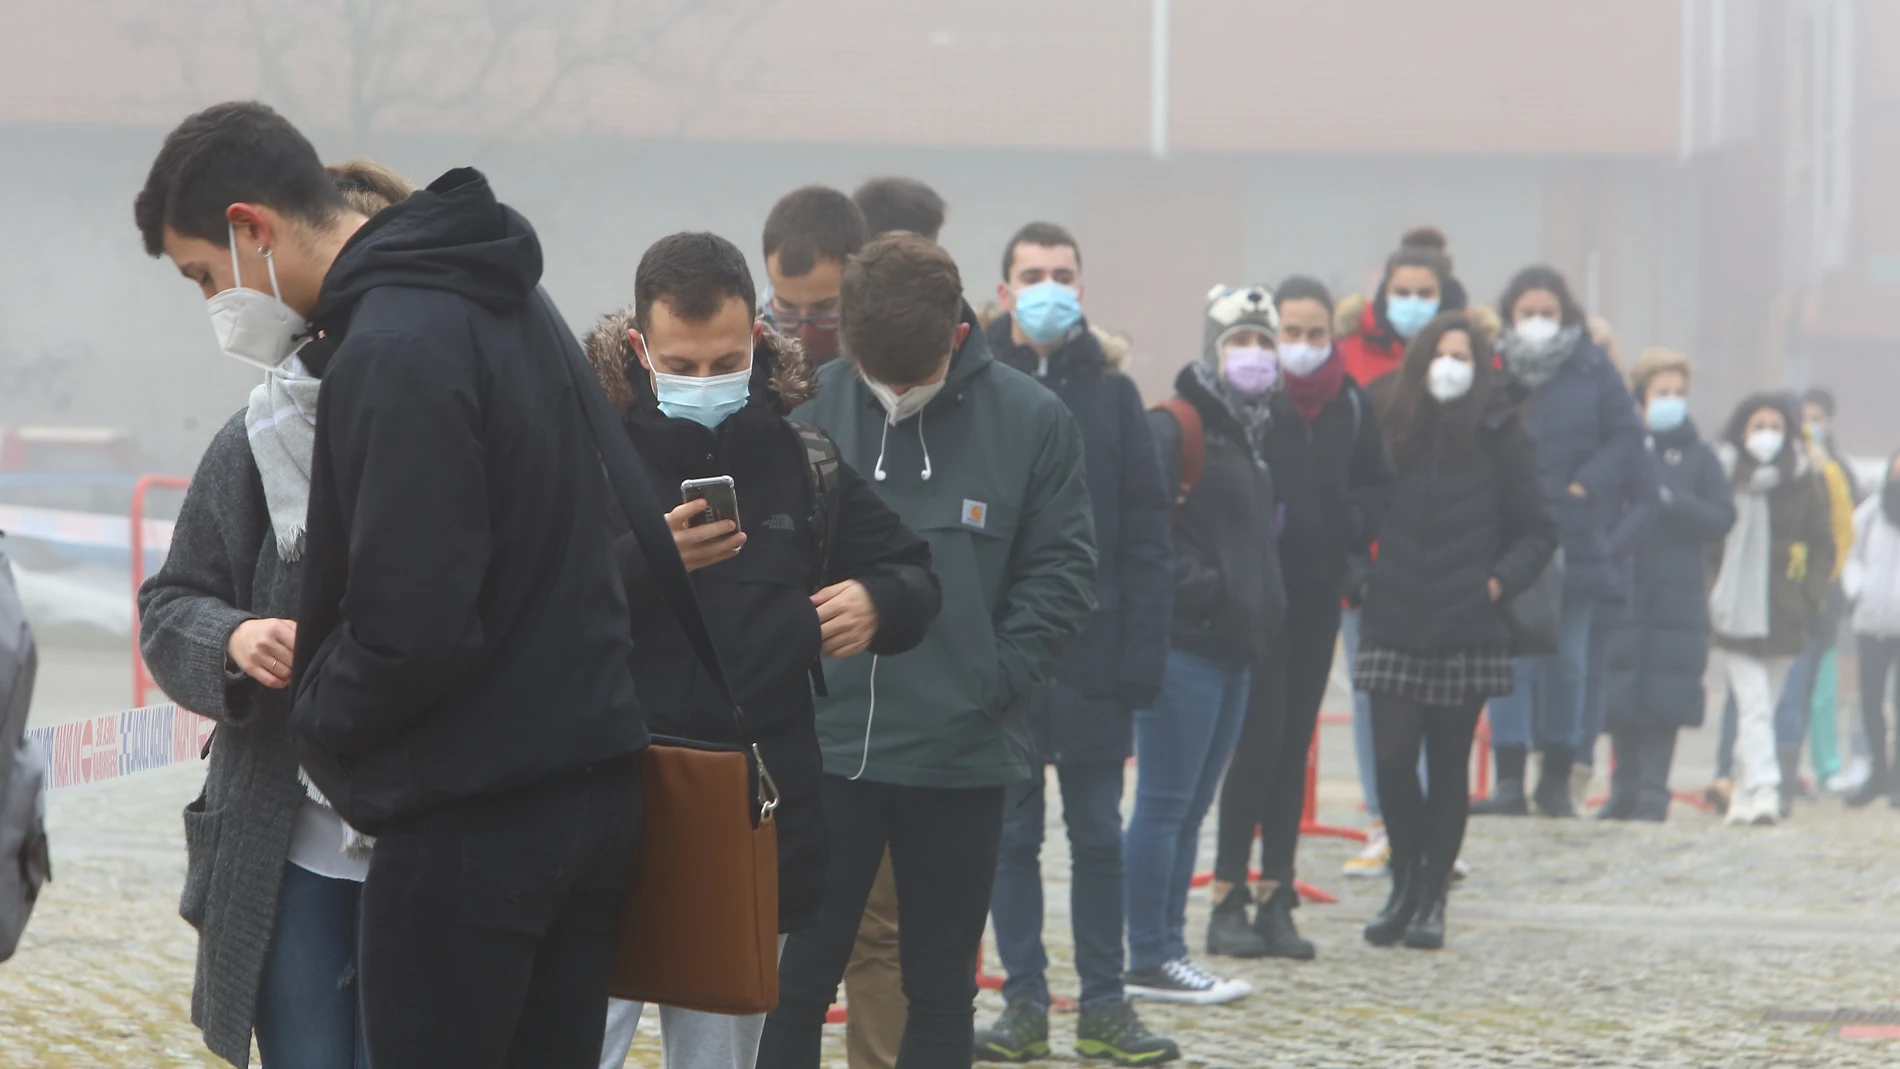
969	547
202	827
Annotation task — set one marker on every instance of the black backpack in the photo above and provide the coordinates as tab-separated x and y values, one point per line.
24	861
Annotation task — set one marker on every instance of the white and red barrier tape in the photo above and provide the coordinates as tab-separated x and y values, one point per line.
92	529
103	748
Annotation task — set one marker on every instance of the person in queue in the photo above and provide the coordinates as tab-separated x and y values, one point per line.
1658	655
1331	479
1589	438
814	565
1872	579
1777	563
1229	604
809	234
920	750
1467	531
264	851
449	428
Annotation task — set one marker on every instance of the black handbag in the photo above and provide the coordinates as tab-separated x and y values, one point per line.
1532	615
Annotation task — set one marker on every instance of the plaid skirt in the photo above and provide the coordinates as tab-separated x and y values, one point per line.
1434	678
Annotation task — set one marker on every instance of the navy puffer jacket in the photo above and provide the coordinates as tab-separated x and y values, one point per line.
1588	432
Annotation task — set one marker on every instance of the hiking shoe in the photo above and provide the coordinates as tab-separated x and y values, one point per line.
1020	1034
1373	859
1114	1032
1182	980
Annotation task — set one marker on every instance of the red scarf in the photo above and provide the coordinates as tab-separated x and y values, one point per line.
1311	394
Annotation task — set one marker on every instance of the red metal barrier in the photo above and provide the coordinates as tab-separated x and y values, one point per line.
1309	825
141	679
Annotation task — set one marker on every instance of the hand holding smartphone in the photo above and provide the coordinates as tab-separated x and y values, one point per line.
706	524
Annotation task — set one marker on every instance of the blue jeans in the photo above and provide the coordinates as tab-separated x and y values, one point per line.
1547	706
1362	750
306	1000
1596	666
1181	748
1091	807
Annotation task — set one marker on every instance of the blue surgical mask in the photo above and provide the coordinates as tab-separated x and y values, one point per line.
706	401
1408	315
1666	413
1047	311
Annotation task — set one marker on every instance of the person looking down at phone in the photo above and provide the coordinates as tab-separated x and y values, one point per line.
705	388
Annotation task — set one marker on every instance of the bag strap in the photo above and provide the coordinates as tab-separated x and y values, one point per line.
645	514
1193	446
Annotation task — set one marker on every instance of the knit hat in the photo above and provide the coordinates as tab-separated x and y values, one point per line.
1652	362
1230	311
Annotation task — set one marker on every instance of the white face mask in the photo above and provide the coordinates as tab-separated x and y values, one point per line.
1299	358
1765	445
1449	378
899	407
255	327
1537	331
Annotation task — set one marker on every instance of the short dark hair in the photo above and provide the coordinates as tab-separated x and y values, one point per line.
1047	235
1540	277
894	203
1821	397
1304	288
693	273
901	300
237	152
810	224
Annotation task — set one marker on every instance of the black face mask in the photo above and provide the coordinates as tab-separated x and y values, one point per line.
1890	500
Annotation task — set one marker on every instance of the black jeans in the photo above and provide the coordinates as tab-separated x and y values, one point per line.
1879	656
1426	830
487	926
1266	783
943	845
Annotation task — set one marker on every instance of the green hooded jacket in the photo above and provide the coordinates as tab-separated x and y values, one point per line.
990	472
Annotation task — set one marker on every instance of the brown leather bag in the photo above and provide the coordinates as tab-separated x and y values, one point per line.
699	929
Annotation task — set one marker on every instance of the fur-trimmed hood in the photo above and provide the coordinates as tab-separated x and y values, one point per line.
779	364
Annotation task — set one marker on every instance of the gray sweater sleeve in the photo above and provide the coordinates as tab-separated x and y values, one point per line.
188	610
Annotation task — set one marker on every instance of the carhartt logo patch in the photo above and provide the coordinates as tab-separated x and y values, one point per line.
975	514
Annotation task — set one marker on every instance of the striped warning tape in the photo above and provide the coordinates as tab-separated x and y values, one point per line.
103	748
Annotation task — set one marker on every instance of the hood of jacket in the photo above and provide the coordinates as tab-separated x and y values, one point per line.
780	369
453	236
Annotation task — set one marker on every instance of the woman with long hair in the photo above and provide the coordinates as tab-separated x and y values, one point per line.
1777	565
1467	530
273	876
1589	446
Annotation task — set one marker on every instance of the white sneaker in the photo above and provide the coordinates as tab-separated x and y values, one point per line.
1185	981
1372	860
1767	807
1459	870
1850	779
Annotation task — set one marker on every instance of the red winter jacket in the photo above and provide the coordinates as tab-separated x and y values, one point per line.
1373	351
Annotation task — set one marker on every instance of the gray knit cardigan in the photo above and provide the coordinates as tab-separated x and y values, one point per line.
224	569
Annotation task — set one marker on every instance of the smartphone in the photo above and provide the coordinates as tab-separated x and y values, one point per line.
722	500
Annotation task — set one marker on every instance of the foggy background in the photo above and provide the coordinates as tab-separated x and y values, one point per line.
1713	175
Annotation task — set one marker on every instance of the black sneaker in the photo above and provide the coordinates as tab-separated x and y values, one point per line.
1184	981
1021	1034
1115	1032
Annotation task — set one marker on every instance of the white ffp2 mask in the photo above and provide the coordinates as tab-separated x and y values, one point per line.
252	326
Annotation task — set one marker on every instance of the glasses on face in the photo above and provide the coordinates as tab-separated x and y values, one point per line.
791	317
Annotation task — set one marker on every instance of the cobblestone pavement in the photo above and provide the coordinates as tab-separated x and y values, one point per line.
1572	944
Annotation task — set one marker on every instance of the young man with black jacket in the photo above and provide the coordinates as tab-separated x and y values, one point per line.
920	749
460	671
816	564
1082	717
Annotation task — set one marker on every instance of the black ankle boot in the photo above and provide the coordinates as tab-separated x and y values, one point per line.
1507	800
1274	923
1621	806
1427	930
1553	783
1389	926
1878	785
1228	933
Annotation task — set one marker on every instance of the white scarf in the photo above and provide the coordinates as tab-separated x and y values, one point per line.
282	425
1738	605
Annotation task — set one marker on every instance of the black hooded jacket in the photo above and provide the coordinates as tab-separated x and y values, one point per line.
462	629
758	604
1229	598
